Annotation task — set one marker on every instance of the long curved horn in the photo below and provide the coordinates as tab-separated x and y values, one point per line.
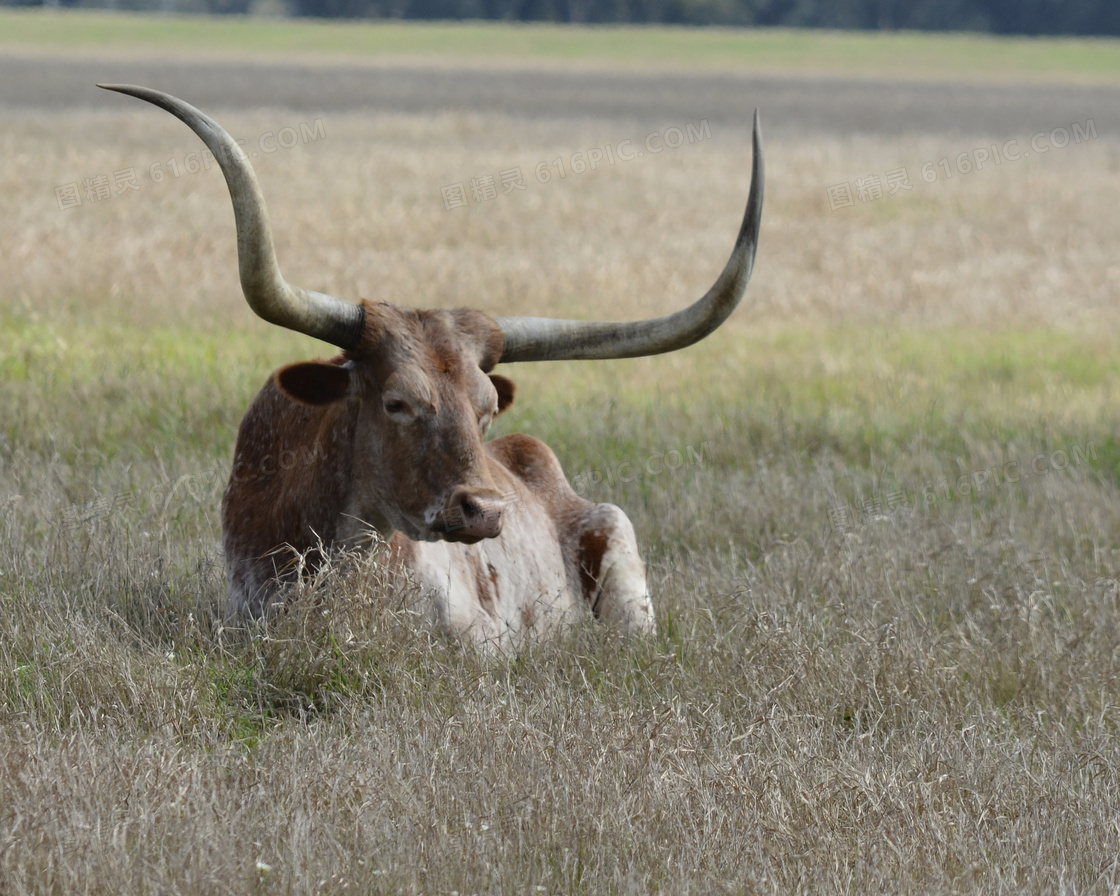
317	314
548	339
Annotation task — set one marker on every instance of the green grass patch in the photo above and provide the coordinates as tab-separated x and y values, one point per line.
797	52
129	391
856	391
943	420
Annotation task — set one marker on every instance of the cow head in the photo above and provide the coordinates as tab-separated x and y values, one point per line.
422	404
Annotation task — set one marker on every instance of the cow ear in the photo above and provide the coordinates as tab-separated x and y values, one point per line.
506	390
314	382
483	333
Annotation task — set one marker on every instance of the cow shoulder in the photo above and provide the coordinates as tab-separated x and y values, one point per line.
531	461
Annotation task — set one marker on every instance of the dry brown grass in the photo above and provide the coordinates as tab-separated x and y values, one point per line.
925	701
360	212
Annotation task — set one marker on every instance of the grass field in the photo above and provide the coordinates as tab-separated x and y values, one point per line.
891	55
880	511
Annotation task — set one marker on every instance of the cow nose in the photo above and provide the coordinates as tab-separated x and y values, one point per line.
472	514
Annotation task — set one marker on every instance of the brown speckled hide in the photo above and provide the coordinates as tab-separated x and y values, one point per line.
389	437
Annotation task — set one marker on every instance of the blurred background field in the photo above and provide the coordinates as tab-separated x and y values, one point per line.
879	507
897	54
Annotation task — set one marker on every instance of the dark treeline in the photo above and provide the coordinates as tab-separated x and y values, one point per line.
1084	17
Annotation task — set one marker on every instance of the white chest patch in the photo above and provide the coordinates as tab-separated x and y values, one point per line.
500	588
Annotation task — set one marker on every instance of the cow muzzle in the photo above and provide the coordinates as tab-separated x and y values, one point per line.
471	515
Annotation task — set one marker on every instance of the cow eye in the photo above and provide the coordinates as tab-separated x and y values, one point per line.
395	406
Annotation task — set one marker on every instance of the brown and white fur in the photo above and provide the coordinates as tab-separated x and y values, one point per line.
389	437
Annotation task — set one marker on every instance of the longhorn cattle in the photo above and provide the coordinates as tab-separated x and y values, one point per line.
396	426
